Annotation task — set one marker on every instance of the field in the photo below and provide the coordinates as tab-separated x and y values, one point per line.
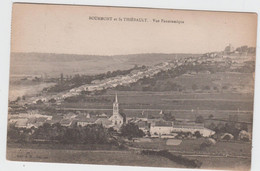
233	81
182	105
238	164
236	98
224	155
128	158
192	146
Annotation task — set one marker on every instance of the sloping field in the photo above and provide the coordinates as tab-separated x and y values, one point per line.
182	105
127	158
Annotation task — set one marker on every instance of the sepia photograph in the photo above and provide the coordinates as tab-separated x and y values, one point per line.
131	86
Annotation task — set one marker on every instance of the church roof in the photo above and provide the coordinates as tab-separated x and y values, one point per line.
119	115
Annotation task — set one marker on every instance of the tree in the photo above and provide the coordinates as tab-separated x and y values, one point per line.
220	128
244	48
18	99
227	49
122	113
111	130
239	49
168	117
244	127
199	119
206	87
197	134
12	133
252	50
131	130
224	87
212	126
38	102
211	116
52	100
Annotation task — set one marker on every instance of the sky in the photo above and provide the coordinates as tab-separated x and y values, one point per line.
66	29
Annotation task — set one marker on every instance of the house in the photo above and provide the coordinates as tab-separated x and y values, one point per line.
161	128
70	116
21	123
192	129
105	122
86	121
13	120
35	122
103	115
186	128
244	135
66	122
227	136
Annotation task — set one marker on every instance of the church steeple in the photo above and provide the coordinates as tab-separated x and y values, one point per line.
116	106
117	119
116	99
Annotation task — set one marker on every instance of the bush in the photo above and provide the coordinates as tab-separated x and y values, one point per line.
131	130
199	119
197	134
190	163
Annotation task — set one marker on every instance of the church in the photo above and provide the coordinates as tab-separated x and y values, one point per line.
116	118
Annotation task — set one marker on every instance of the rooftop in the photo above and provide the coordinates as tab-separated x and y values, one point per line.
163	123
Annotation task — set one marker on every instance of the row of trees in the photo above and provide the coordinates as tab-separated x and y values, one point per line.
78	80
207	87
243	49
90	134
228	127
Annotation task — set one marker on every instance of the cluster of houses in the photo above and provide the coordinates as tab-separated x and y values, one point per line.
154	127
28	119
158	127
134	76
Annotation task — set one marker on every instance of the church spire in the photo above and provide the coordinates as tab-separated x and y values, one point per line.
116	101
116	106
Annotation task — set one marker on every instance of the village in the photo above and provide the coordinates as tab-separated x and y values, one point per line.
152	127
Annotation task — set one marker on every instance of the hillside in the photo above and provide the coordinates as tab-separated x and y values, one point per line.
211	76
70	64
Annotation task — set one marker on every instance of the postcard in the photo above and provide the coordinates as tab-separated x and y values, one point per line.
131	86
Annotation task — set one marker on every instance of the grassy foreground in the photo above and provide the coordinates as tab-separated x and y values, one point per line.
104	157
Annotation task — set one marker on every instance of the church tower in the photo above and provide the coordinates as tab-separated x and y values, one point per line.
116	107
116	118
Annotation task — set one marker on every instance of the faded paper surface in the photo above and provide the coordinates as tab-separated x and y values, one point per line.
127	80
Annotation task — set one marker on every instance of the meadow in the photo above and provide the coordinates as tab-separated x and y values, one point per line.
234	155
192	146
108	157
